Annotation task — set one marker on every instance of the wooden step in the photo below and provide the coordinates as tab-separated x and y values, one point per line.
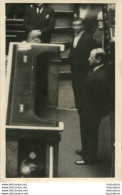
65	75
14	21
65	72
65	54
65	61
15	26
66	30
63	22
65	68
15	32
59	38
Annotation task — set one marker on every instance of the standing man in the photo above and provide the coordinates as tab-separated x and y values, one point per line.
82	45
98	35
39	21
93	104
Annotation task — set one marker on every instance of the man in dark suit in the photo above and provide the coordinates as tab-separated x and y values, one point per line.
39	21
98	35
81	47
93	104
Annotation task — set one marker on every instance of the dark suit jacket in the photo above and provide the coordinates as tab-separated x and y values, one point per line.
93	98
79	61
98	37
44	21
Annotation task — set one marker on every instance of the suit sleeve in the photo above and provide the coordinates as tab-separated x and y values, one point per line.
26	20
90	44
51	24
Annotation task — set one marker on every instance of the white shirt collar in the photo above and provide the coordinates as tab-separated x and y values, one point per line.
97	67
76	39
39	10
79	34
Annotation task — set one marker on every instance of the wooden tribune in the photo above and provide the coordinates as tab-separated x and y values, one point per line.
27	116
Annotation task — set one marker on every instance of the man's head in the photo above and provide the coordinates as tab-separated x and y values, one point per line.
97	57
78	25
100	20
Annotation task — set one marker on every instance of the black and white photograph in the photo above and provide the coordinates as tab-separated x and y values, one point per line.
60	90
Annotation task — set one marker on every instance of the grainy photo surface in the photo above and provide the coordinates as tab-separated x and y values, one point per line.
60	72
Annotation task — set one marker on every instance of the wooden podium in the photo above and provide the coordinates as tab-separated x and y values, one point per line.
32	98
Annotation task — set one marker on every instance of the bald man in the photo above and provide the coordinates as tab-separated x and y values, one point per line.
93	104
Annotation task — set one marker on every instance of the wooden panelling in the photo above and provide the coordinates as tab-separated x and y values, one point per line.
65	68
61	38
62	7
63	21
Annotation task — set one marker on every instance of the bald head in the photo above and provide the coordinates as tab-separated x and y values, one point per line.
97	57
98	51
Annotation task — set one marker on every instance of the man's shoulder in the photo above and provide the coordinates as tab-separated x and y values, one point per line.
101	74
49	9
87	35
30	8
103	69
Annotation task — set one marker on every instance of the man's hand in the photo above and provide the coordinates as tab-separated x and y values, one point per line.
36	32
39	33
33	36
36	40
